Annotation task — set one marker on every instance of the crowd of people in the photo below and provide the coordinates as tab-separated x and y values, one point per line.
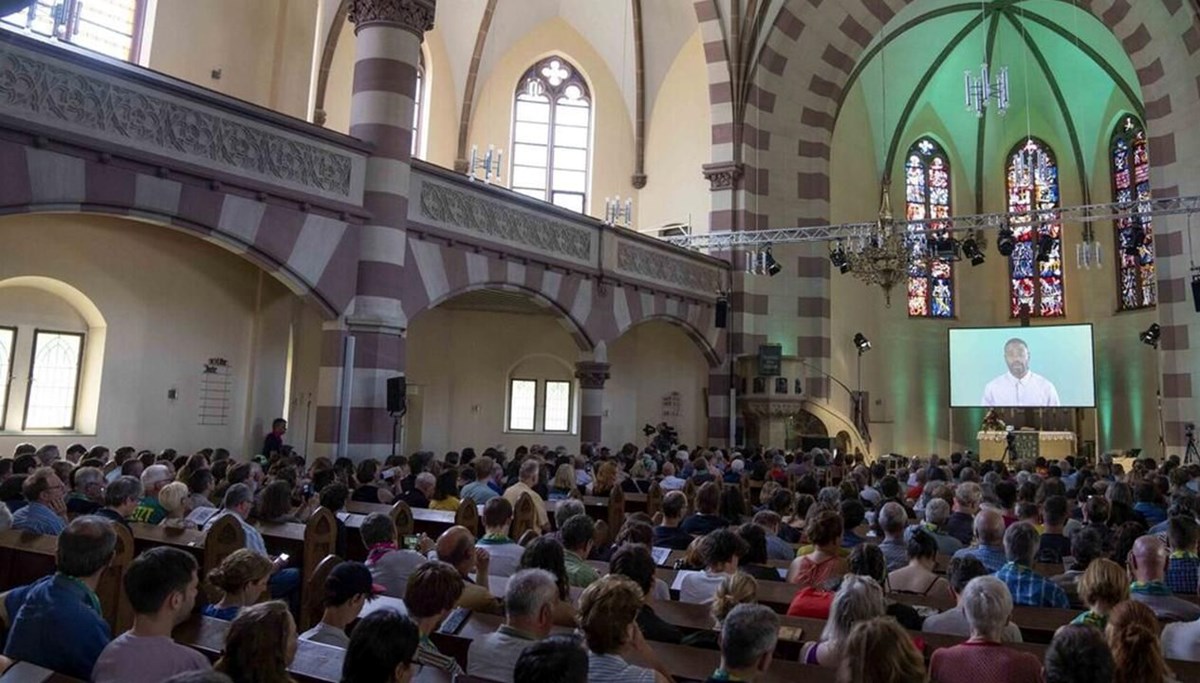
868	550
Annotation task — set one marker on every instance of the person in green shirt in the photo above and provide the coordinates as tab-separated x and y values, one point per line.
150	511
577	538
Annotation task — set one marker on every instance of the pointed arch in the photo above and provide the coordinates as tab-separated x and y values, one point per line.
1036	263
1129	164
552	134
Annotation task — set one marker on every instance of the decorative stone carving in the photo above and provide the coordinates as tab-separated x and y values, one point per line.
56	93
592	375
638	180
723	175
412	15
658	265
772	408
494	220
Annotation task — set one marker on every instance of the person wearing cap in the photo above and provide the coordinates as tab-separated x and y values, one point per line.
347	589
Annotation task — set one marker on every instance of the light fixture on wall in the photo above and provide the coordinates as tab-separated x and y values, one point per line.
1151	336
1088	251
617	212
490	164
762	262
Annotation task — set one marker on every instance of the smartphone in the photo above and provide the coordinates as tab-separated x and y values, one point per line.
307	490
388	473
284	557
412	542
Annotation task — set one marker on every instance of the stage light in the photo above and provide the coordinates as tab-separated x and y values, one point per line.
1137	237
1005	243
946	248
861	343
773	267
1044	247
1151	336
837	256
972	251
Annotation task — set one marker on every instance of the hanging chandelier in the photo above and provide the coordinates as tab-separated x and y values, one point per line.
982	90
880	256
1031	161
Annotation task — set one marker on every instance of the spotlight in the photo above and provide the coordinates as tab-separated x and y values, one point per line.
1005	243
972	251
1151	336
1137	237
946	248
862	343
1045	246
837	256
773	267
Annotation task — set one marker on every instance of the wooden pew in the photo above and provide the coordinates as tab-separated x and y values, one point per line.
312	605
468	516
524	517
431	522
24	672
314	662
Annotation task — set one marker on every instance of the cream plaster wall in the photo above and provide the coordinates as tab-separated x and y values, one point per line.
906	372
264	48
649	362
677	146
170	302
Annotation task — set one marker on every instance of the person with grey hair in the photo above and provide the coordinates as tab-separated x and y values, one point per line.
47	455
937	511
390	562
149	510
831	495
892	520
748	637
953	622
983	658
121	497
529	602
87	491
567	509
989	531
967	497
529	474
859	598
46	511
1027	586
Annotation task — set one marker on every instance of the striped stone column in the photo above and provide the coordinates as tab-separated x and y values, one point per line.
591	375
387	54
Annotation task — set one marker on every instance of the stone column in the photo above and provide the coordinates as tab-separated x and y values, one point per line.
592	375
387	55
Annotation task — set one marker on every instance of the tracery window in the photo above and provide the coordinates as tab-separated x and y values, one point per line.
1035	266
1130	156
552	118
927	195
110	27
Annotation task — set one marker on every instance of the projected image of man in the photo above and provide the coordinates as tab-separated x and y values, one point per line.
1020	386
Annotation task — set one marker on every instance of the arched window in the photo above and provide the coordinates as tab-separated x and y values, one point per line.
552	119
927	195
1035	267
1130	157
110	27
418	101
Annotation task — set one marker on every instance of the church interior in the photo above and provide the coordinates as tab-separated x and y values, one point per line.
729	236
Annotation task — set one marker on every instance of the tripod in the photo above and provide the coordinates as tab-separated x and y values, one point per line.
1190	454
1010	452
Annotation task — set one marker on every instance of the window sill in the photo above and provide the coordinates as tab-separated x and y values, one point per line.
45	432
523	432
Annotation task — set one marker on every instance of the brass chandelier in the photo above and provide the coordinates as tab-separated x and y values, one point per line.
879	256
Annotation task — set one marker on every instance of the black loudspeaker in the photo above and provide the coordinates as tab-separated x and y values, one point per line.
1196	293
397	387
723	313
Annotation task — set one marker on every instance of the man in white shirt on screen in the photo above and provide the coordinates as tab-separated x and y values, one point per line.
1020	386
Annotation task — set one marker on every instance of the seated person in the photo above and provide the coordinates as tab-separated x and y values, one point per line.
1026	586
87	491
918	577
445	492
149	510
433	591
777	548
46	510
1104	585
881	650
893	520
390	564
120	499
1148	564
825	562
557	659
984	658
505	553
953	622
161	584
1054	544
577	537
738	589
456	547
260	645
858	599
56	622
989	534
528	617
720	551
1078	654
607	617
668	534
1183	568
633	561
382	649
748	637
707	517
754	562
242	578
545	552
372	489
1133	638
347	589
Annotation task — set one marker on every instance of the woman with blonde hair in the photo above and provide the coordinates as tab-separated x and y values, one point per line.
1132	634
176	500
564	482
734	590
859	599
1102	587
880	651
260	645
242	577
606	479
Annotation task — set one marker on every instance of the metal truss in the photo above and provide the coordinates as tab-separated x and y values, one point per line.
1168	206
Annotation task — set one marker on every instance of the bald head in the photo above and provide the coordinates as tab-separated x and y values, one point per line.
1148	559
989	527
456	546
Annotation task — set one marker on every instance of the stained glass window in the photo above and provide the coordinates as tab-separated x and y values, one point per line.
1036	266
1134	234
927	196
552	124
110	27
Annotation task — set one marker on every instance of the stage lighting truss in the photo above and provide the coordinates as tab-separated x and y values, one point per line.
851	234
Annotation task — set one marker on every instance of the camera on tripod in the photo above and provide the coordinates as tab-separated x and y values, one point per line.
1189	430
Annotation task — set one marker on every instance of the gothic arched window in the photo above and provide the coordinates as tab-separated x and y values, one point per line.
1036	265
418	100
552	130
1130	156
927	195
110	27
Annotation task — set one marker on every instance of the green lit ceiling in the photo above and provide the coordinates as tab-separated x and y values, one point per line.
1069	80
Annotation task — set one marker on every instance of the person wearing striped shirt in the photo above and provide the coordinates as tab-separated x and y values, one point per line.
433	591
1027	586
607	612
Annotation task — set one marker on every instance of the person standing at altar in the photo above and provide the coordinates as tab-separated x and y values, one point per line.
1020	386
